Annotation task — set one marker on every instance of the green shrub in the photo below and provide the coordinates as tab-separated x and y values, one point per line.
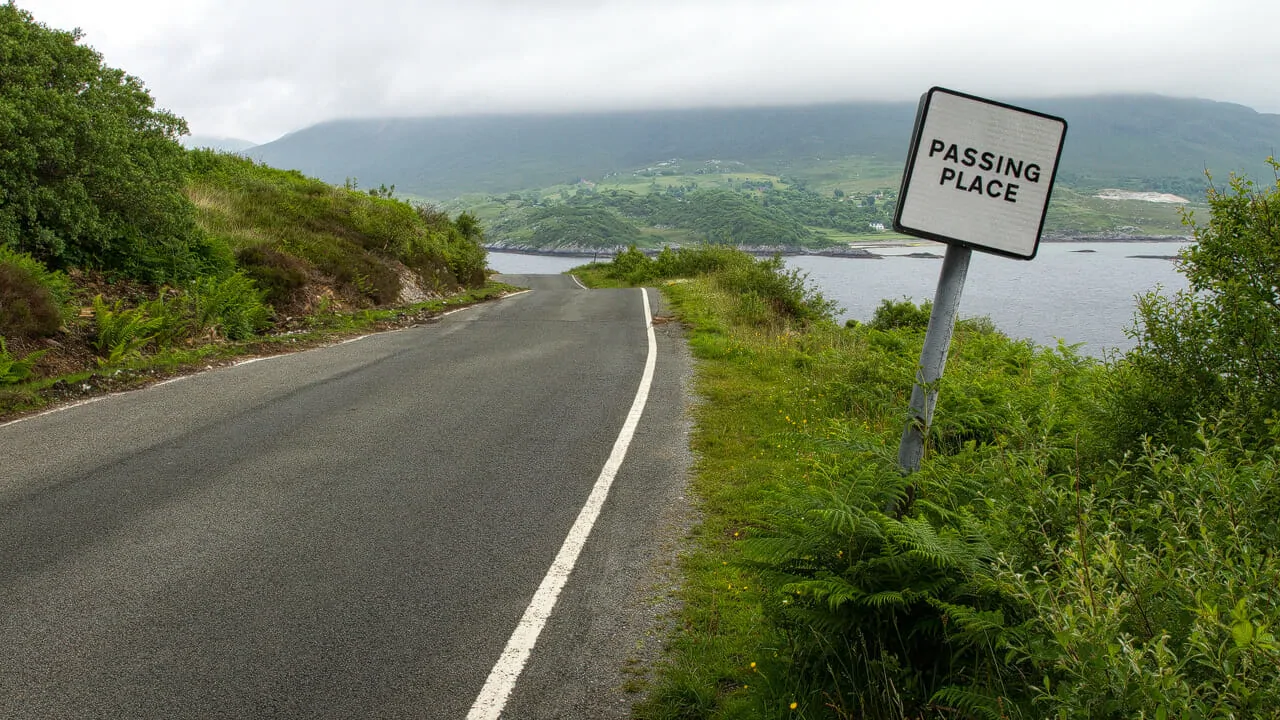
1158	599
765	290
33	300
894	314
786	292
633	266
1214	349
92	172
279	275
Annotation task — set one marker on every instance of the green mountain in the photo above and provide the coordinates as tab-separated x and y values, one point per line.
1142	142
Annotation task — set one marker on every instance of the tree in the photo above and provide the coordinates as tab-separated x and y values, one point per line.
91	174
1213	350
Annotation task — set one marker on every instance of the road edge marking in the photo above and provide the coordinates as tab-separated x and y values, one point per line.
502	679
579	282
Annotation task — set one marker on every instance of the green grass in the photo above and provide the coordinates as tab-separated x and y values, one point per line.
312	231
1075	212
1072	211
1037	565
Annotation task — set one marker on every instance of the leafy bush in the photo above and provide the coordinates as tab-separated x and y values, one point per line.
1159	599
32	299
15	370
893	314
1214	349
786	292
93	173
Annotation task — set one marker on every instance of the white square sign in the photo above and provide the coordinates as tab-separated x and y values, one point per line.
979	173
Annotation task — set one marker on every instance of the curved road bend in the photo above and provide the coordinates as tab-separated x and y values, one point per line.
348	532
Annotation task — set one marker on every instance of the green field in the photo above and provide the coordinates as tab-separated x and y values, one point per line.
810	203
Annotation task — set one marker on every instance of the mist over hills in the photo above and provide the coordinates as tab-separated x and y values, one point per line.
1143	142
213	142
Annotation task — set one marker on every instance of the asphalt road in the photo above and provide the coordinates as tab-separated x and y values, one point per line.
348	532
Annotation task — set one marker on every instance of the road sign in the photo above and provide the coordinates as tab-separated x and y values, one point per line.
979	173
978	177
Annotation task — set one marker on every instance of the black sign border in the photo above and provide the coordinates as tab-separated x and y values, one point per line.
922	113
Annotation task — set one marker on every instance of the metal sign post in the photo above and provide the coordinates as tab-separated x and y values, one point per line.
978	177
933	358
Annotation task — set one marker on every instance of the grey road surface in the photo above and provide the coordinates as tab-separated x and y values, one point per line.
348	532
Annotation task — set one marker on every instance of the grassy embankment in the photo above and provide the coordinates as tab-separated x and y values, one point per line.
1047	560
298	263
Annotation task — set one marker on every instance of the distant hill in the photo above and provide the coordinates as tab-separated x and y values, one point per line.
211	142
1130	141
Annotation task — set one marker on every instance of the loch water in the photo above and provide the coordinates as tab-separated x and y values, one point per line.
1081	293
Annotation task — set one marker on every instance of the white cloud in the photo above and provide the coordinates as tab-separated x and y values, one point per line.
259	68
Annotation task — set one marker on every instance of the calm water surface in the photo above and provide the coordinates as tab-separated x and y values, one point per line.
1080	297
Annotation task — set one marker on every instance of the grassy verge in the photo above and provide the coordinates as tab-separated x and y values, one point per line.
1038	565
322	328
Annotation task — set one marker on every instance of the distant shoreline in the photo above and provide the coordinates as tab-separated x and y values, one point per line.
858	250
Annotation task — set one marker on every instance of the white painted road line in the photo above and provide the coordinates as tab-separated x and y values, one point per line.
579	282
502	679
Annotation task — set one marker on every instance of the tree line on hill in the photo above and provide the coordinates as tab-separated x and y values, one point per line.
750	214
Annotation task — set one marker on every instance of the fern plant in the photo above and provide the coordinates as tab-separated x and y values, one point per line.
232	307
122	333
873	600
14	370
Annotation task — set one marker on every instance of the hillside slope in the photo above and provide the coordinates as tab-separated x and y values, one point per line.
1138	141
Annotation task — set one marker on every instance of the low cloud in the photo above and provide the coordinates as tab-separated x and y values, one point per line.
260	68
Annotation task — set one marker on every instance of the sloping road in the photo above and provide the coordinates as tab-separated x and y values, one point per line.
348	532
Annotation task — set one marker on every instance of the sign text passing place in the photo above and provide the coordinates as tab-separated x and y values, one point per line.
979	173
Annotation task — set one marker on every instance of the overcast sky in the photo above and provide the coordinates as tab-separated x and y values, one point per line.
256	69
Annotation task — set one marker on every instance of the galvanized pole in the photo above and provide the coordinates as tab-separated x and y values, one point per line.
933	358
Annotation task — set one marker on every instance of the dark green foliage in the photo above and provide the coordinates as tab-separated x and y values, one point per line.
32	299
556	226
1155	590
870	601
1213	350
279	274
92	172
786	293
901	314
615	218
